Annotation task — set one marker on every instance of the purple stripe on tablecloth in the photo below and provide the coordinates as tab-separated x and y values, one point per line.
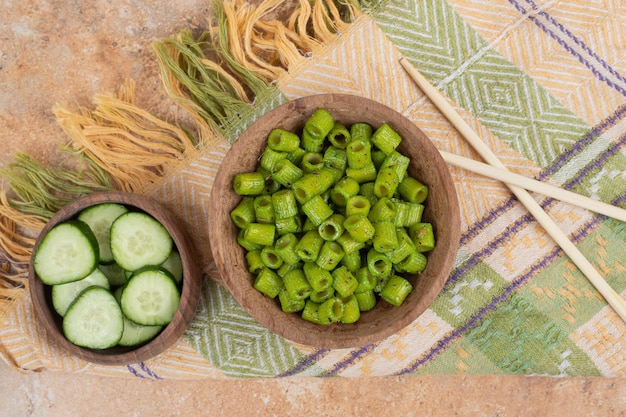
134	371
568	48
307	362
148	371
351	359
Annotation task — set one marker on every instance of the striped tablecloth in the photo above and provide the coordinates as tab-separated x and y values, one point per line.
543	83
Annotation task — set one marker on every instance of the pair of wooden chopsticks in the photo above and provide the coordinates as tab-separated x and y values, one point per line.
519	185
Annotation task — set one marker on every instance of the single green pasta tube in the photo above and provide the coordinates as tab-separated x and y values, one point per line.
270	157
309	245
398	162
386	238
335	157
423	236
319	278
352	261
378	158
367	191
339	135
361	131
366	300
366	280
271	186
331	311
254	261
386	183
311	162
396	290
317	209
407	214
319	124
404	248
313	184
260	233
249	183
362	175
378	264
359	154
345	188
264	209
312	143
351	310
336	173
383	210
308	225
291	224
380	283
271	258
415	262
322	295
359	227
283	141
330	255
297	285
358	205
296	156
285	247
344	281
348	244
246	244
386	139
412	190
332	227
286	173
243	213
289	304
285	204
311	311
268	282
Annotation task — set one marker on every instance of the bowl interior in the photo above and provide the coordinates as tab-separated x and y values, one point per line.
190	290
441	210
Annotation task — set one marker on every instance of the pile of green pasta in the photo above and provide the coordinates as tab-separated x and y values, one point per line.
330	219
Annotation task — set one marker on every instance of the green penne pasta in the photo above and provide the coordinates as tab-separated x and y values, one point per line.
317	210
311	311
407	214
383	210
361	131
291	224
312	184
289	304
330	255
351	310
297	285
412	190
285	247
366	300
283	141
271	258
296	156
348	244
249	183
286	173
386	183
352	261
332	227
423	236
359	227
345	188
322	295
270	157
367	191
378	264
396	290
415	262
366	280
260	233
404	248
339	135
285	205
309	245
344	281
243	214
385	239
331	311
319	124
397	162
311	162
268	282
285	268
362	175
254	261
337	158
358	205
246	244
359	154
319	278
264	209
386	139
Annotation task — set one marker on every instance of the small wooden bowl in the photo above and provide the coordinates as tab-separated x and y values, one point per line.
190	292
441	210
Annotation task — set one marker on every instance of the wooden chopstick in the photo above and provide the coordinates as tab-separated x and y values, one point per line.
534	185
609	294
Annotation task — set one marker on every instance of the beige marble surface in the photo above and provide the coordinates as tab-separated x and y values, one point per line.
65	51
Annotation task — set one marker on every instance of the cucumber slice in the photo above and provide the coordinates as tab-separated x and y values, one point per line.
68	252
174	265
100	218
135	334
94	320
115	274
64	294
151	297
138	240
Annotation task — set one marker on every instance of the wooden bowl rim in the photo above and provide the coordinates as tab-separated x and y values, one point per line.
190	294
333	337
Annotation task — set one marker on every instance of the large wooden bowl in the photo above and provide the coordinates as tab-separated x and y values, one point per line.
441	210
51	322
